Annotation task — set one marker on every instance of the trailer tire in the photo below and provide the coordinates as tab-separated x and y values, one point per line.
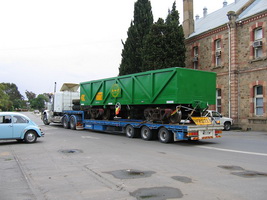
72	123
146	133
65	122
165	136
131	132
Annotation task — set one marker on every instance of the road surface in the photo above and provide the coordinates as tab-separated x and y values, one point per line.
68	164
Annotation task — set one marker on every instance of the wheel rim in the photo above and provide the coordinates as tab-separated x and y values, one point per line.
30	137
145	133
73	123
227	126
129	131
163	135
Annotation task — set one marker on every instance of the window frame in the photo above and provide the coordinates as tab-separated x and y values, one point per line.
195	55
256	104
218	48
219	97
258	51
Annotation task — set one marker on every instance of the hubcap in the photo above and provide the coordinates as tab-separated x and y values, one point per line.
30	137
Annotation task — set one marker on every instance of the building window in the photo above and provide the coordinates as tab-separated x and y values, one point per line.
219	100
195	59
257	44
218	52
258	100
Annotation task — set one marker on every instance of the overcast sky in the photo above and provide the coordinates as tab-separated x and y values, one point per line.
47	41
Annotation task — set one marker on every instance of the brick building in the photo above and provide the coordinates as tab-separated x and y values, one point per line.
232	42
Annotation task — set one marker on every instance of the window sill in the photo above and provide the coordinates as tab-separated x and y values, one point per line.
257	59
257	120
217	67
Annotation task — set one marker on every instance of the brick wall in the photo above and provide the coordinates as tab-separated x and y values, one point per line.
246	71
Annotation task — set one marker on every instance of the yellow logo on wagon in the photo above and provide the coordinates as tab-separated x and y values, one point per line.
83	97
99	96
115	91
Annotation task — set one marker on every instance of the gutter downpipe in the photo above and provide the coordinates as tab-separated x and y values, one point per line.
229	71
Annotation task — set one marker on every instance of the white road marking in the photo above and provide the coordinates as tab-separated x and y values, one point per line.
234	151
90	137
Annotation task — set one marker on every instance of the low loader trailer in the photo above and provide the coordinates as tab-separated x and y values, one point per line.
202	128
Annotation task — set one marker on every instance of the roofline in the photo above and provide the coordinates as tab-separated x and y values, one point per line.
223	27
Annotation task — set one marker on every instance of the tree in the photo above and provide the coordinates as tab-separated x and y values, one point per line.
129	53
175	40
11	90
5	103
154	49
30	95
164	45
39	102
132	49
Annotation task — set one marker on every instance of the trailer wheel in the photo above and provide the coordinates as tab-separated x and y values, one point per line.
146	133
131	132
72	123
165	136
66	123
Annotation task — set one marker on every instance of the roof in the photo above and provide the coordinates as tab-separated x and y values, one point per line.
13	113
219	17
71	87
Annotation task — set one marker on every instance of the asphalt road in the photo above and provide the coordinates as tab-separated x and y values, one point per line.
68	164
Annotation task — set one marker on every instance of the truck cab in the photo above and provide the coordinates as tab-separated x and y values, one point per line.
61	102
218	118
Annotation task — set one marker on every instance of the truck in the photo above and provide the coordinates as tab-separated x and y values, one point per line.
153	104
217	117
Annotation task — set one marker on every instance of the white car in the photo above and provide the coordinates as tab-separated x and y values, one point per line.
216	116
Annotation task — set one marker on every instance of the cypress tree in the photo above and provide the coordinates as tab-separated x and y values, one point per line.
132	49
175	40
164	45
154	49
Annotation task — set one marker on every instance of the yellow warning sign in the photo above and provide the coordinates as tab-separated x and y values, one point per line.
201	120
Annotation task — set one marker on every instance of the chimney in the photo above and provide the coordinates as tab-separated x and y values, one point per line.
225	3
188	23
197	17
205	11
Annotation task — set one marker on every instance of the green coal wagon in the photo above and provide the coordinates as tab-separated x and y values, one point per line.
166	95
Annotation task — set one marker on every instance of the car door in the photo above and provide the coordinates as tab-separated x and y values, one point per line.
19	125
6	127
216	116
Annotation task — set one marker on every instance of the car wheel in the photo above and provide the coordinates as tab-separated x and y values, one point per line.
30	137
227	126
